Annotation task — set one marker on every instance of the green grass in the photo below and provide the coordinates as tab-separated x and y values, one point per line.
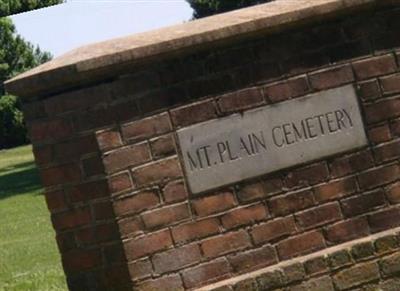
29	259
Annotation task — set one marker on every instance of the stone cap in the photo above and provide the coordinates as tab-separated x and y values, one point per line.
107	59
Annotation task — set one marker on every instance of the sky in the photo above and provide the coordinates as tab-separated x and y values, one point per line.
60	28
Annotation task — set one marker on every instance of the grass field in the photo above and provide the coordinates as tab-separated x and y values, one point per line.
29	259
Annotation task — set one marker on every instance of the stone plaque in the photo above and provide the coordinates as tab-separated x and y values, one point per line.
271	138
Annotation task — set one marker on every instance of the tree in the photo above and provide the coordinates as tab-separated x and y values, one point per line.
203	8
16	56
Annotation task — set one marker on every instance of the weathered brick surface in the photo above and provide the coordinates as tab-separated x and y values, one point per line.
301	244
212	204
195	230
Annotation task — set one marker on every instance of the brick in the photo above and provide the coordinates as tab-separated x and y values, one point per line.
66	241
195	230
33	110
390	265
273	230
288	89
194	113
260	190
136	203
253	259
109	139
318	284
165	216
335	189
270	280
370	90
120	182
163	146
175	259
362	251
309	175
58	175
383	220
131	226
173	282
332	77
92	166
126	157
356	205
295	201
241	100
148	244
378	176
43	154
339	259
319	215
226	243
373	67
395	127
390	84
316	265
357	275
157	173
382	110
175	192
209	272
72	218
55	200
140	269
299	245
88	191
294	273
379	134
246	285
74	149
80	260
387	152
147	127
55	129
213	204
103	210
386	244
347	230
243	216
346	165
393	193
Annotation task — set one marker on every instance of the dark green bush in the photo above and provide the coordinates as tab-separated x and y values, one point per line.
12	128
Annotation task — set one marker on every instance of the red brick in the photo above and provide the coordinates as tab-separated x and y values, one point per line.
289	203
136	203
260	190
383	220
226	243
195	230
165	216
106	232
66	241
309	175
244	215
332	77
378	177
158	172
92	166
288	89
370	90
131	227
75	148
299	245
209	272
241	100
194	113
109	139
318	216
363	203
395	127
175	192
33	110
175	259
88	191
382	110
253	259
213	204
148	244
147	127
80	260
140	269
273	230
120	183
163	146
387	152
380	134
72	218
126	157
55	129
393	193
346	165
43	154
349	278
374	67
347	230
391	84
335	189
103	210
56	200
172	282
68	173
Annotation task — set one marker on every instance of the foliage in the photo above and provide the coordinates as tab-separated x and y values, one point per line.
9	7
203	8
12	128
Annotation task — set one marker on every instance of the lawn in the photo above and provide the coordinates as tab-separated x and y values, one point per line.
29	259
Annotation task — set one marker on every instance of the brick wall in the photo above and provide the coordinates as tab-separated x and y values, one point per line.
111	166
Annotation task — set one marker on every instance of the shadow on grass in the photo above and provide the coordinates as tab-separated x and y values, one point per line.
19	179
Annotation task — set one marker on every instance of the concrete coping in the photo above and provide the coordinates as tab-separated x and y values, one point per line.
107	59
